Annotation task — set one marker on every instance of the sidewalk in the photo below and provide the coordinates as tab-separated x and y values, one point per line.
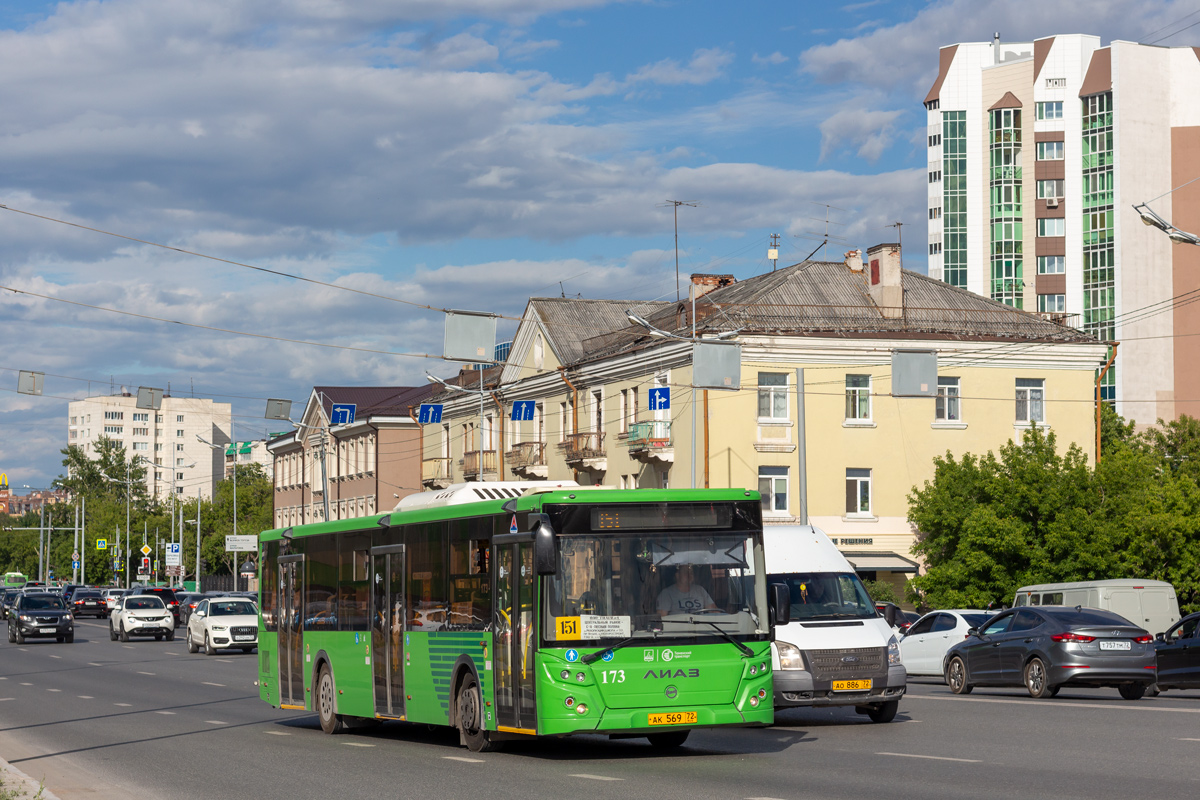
16	781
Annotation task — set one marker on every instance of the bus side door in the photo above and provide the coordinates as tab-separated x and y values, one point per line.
516	637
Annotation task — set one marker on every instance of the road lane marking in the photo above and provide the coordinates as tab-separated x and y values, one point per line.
1057	704
27	684
95	664
2	699
763	798
1187	740
23	649
166	713
357	744
464	759
122	705
215	722
586	776
932	758
225	660
85	697
54	690
171	653
206	683
128	647
145	673
277	733
54	656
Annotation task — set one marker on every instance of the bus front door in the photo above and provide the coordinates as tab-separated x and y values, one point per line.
516	637
291	631
387	629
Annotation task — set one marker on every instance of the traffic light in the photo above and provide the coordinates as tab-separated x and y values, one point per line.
146	565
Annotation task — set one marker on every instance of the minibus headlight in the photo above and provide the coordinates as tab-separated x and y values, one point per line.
789	656
893	652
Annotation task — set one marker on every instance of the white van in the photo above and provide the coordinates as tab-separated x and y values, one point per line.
836	650
1148	604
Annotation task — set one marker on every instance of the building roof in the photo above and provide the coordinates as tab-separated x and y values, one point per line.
374	401
571	322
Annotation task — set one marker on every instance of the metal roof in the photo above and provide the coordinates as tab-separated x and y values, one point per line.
374	401
572	322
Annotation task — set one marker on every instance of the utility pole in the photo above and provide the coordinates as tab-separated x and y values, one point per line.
773	251
677	204
44	544
899	239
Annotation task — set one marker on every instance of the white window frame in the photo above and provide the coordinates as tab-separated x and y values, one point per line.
1030	394
1044	263
948	405
1060	303
774	393
854	399
1044	224
856	476
1057	151
774	478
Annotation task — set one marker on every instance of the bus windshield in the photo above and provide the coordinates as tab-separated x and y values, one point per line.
826	595
655	586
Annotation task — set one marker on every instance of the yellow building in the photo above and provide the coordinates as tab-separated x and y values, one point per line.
814	426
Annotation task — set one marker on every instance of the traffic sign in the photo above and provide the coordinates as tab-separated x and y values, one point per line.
147	550
430	413
239	544
102	544
174	554
343	413
74	565
75	556
522	410
660	398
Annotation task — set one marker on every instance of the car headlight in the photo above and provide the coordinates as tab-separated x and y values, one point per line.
26	618
789	656
218	627
893	652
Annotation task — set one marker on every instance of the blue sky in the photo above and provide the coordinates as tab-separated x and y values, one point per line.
460	153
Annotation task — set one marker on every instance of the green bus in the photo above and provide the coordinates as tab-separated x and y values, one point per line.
14	580
511	609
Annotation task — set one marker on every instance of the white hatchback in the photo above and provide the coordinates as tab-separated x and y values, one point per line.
924	647
141	615
220	623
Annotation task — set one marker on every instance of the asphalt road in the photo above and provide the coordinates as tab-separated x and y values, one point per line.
102	719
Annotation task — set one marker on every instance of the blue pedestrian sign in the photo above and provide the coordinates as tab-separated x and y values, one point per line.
522	411
343	413
430	413
660	398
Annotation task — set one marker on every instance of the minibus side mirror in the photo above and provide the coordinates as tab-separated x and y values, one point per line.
781	603
889	614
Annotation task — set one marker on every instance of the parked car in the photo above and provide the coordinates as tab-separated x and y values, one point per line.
924	647
85	601
166	595
223	622
1046	648
141	615
1149	604
40	615
1178	652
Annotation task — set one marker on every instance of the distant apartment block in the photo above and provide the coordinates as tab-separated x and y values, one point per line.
1038	152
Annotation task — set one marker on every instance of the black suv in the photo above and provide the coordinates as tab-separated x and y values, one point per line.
166	595
87	601
41	615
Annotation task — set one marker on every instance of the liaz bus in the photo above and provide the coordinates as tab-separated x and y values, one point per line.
14	580
511	609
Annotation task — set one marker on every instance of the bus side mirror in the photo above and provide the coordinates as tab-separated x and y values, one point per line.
545	549
781	603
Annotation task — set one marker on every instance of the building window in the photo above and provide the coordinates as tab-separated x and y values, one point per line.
158	476
935	139
858	492
1050	110
74	434
933	105
773	486
158	418
935	213
114	415
858	397
948	399
954	198
179	418
1051	188
1031	406
113	428
562	422
179	448
158	447
73	420
179	432
1049	151
1052	303
1051	265
140	445
1052	227
141	417
772	395
141	431
179	463
935	175
597	411
1006	186
624	418
1055	83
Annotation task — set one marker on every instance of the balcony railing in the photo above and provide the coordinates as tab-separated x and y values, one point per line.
526	454
649	435
581	446
1062	318
471	462
435	470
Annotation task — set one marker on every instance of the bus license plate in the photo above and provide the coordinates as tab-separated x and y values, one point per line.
852	686
674	718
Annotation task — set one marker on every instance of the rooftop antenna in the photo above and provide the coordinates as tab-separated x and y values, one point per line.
899	239
677	204
561	289
825	238
773	251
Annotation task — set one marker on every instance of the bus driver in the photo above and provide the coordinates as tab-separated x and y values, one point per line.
684	596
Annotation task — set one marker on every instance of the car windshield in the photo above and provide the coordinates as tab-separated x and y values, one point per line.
614	587
230	608
826	595
142	603
43	602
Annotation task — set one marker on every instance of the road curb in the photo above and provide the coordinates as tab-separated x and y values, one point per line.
14	778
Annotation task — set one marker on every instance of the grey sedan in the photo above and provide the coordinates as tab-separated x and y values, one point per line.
1046	648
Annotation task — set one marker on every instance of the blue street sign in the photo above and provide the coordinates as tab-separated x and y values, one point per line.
430	413
343	413
74	565
660	398
173	548
522	410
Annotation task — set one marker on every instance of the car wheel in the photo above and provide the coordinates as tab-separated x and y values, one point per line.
170	635
884	712
331	722
70	638
666	741
158	637
469	716
1132	691
112	634
209	650
191	643
1036	680
124	633
58	639
247	650
11	635
956	677
1053	691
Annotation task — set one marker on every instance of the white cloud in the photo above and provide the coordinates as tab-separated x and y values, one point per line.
705	66
774	59
869	133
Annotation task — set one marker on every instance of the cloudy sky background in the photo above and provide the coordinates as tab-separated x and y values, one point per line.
458	153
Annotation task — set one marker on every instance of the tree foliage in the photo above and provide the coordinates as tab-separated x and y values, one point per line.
1030	514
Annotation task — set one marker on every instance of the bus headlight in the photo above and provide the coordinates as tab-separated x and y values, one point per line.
893	652
789	656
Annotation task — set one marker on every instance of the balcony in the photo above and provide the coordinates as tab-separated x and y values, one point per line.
1062	318
528	460
479	466
436	473
651	441
585	451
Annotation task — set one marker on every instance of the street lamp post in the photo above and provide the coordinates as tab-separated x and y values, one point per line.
481	392
235	466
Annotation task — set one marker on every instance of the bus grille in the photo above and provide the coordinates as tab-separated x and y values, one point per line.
836	664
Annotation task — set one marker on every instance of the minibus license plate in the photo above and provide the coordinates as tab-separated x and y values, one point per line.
1115	646
852	686
674	718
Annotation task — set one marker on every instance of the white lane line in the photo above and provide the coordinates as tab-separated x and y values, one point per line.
27	684
3	678
85	697
171	653
357	744
1056	704
1187	740
215	722
145	673
54	656
95	664
586	776
166	713
464	759
2	699
206	683
23	649
122	705
763	798
225	660
54	690
932	758
128	647
277	733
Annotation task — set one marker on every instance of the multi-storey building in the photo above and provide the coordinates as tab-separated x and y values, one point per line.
816	426
244	453
166	438
1038	152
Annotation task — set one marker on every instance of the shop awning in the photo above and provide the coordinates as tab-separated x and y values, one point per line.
881	562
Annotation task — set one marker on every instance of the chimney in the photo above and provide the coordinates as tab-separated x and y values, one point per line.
703	284
854	260
996	47
887	289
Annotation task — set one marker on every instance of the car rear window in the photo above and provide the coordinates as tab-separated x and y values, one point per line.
86	593
1085	616
143	603
976	620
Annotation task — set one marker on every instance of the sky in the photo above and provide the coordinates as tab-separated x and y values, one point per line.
463	154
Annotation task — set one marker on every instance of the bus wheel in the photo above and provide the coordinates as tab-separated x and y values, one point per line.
330	721
469	707
664	741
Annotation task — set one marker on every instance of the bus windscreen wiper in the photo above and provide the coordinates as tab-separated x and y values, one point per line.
591	657
745	650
